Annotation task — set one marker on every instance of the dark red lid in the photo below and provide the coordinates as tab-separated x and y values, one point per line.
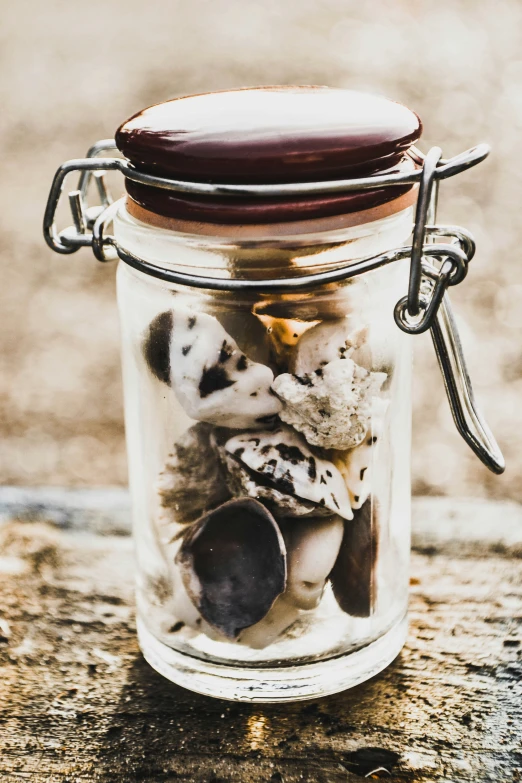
267	135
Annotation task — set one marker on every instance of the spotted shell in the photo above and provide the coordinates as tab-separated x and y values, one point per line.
242	482
281	459
213	380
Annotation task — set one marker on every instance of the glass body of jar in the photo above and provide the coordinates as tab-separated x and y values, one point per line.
268	441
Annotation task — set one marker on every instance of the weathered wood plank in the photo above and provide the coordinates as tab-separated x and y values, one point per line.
78	703
462	526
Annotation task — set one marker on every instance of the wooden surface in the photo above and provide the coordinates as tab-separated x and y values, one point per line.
78	702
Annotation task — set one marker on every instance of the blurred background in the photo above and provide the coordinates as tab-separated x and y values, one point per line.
72	72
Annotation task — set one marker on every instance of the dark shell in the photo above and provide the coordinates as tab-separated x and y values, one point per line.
353	575
233	565
156	346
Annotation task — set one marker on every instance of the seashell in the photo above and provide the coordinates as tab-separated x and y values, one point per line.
283	334
182	607
213	380
243	483
181	610
353	575
278	620
233	565
331	406
355	465
156	346
326	342
281	460
191	482
247	330
312	546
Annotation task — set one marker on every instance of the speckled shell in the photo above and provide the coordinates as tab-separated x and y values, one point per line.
241	482
283	460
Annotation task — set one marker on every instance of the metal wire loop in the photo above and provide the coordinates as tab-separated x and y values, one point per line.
466	415
458	234
429	169
103	246
427	308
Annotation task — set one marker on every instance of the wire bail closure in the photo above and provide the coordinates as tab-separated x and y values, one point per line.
434	264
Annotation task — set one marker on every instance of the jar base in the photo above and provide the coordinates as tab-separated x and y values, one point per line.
278	684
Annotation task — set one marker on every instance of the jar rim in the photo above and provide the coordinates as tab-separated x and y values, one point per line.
241	232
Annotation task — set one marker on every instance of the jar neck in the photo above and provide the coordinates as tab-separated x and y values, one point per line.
271	253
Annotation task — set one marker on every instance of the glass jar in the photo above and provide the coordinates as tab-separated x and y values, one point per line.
313	448
267	386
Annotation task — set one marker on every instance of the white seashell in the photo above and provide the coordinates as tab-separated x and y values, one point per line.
191	482
312	549
331	406
326	342
280	617
312	546
355	465
282	459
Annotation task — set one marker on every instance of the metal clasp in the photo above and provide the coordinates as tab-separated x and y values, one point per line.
427	306
435	265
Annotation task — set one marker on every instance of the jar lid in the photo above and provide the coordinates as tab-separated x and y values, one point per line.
267	135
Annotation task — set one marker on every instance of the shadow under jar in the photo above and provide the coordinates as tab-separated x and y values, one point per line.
268	433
